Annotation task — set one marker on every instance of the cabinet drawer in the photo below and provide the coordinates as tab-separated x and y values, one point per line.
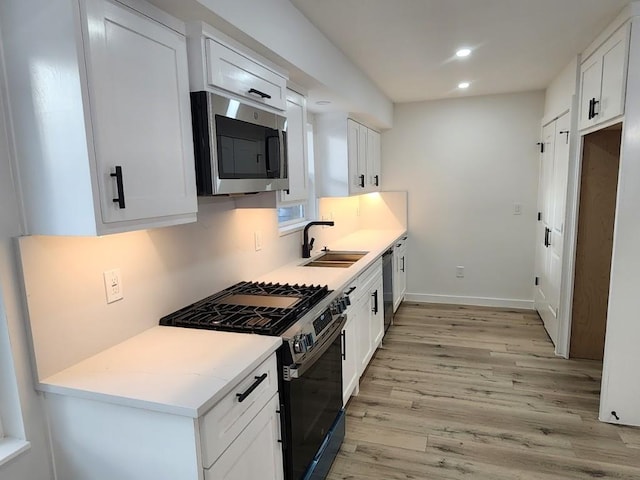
224	422
238	74
370	275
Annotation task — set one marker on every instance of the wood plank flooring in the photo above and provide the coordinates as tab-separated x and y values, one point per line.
477	393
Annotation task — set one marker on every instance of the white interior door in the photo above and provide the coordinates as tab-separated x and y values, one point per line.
554	170
545	223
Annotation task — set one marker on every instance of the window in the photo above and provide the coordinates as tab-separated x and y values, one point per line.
292	215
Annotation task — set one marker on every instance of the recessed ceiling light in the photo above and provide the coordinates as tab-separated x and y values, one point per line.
323	102
463	52
463	85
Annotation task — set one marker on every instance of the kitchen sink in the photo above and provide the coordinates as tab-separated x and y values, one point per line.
336	259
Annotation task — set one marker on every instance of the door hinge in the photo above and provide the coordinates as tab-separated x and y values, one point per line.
536	281
539	216
541	146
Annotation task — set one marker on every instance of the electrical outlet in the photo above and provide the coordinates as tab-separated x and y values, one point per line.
113	285
257	237
460	271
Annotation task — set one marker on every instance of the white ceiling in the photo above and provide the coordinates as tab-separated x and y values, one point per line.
407	47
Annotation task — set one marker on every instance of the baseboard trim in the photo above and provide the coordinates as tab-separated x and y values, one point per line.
475	301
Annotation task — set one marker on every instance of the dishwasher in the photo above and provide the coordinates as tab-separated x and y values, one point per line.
387	287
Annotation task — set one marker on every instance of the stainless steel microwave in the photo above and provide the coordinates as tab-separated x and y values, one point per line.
238	148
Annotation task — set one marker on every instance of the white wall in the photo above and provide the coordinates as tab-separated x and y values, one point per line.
559	93
278	27
621	375
465	162
162	270
25	418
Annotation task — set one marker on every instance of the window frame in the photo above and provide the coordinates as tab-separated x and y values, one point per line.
311	203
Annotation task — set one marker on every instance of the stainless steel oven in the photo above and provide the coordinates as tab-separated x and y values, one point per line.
310	320
238	148
311	394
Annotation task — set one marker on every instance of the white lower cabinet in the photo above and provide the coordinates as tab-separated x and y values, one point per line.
349	356
364	350
237	439
399	272
256	453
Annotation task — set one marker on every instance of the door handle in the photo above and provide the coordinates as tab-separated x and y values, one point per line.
120	186
375	301
361	181
402	264
377	180
547	235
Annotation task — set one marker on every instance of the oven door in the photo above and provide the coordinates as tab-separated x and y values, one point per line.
312	399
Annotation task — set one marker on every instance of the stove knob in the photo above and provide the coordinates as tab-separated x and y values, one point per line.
299	346
309	341
344	303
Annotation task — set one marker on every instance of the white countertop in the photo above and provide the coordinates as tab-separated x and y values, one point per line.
376	242
168	369
186	371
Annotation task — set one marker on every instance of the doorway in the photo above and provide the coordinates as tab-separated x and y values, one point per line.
597	206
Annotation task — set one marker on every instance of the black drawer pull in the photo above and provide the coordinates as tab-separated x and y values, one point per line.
350	291
344	344
258	92
377	180
242	396
120	186
375	302
361	181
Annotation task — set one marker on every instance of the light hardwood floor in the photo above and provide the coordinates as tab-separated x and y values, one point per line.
477	393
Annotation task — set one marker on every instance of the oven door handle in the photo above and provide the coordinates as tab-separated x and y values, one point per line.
299	370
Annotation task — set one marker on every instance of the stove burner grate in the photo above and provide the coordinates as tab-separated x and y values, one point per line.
214	314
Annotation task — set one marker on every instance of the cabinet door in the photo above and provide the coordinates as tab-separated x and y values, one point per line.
590	82
373	160
614	74
402	272
363	334
349	357
377	314
357	150
138	92
256	452
296	148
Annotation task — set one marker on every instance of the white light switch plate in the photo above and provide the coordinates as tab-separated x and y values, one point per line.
113	285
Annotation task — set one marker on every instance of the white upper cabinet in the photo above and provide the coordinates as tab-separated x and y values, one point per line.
296	134
603	81
103	131
373	160
220	64
348	160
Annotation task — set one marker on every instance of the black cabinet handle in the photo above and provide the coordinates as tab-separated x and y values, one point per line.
242	396
120	186
402	264
258	92
344	344
547	241
377	181
375	301
592	108
350	291
362	181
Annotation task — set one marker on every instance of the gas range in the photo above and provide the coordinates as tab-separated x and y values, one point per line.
310	320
